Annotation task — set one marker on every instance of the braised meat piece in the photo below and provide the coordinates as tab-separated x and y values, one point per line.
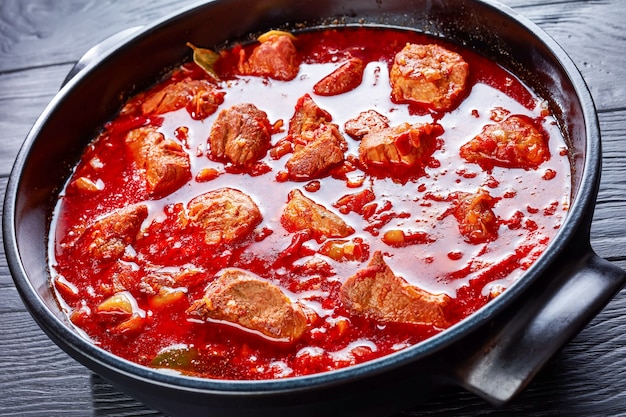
429	75
241	135
200	97
159	282
303	214
377	293
345	78
513	143
307	117
119	276
317	144
108	237
205	101
315	158
245	300
401	146
226	215
477	221
164	161
366	122
275	57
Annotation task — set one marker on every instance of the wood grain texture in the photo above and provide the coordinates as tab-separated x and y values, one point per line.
41	39
593	37
24	96
608	235
38	33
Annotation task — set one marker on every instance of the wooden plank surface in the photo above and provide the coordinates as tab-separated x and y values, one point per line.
39	42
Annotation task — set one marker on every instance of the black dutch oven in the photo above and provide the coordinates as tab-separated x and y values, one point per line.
493	353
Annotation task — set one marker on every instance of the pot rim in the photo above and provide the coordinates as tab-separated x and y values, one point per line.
86	352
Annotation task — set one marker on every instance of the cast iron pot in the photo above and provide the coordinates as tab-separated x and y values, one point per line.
493	353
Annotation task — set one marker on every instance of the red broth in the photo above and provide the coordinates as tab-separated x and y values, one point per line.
530	205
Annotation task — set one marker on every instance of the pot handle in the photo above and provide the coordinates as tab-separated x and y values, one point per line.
511	356
97	51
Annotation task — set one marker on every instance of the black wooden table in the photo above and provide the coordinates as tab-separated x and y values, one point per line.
40	40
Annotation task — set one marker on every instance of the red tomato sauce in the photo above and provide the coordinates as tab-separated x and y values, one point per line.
529	204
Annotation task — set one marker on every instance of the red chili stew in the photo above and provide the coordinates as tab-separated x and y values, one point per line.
305	203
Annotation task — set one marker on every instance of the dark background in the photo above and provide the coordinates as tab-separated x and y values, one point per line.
40	40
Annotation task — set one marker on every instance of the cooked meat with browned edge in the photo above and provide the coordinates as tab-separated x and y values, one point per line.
345	78
307	117
318	145
513	143
201	97
160	281
399	146
429	75
303	214
239	297
226	215
477	221
240	134
107	238
275	58
315	158
377	293
164	161
366	122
